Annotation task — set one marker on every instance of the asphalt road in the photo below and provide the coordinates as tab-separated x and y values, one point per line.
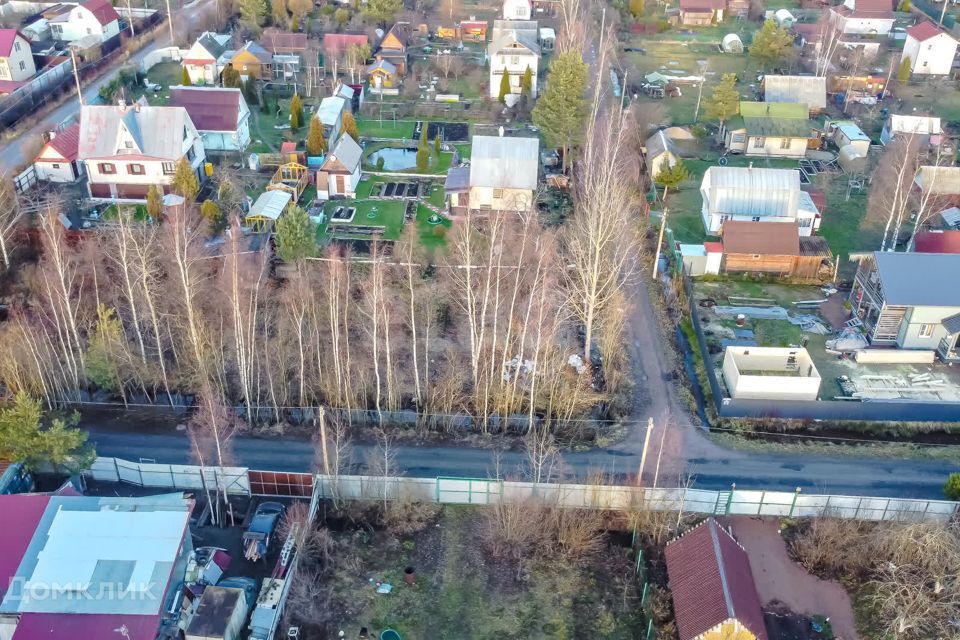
843	475
18	151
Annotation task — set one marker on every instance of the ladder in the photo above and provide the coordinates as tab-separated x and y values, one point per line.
723	500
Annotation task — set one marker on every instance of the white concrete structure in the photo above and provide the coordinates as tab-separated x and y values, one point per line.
930	50
16	59
517	9
127	148
503	173
770	373
513	49
92	18
753	194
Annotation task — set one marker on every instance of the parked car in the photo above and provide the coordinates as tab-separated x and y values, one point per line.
256	539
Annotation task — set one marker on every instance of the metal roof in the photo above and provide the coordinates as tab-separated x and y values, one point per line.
270	204
458	180
507	33
659	143
711	582
808	90
751	191
156	132
944	181
920	125
330	109
852	131
952	323
504	163
937	242
345	155
919	279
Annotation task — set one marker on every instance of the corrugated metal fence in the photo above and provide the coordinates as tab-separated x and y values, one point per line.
479	491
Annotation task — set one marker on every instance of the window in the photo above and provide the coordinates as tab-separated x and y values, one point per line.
926	331
56	165
784	143
23	66
89	32
190	154
128	144
805	222
186	133
135	169
4	74
739	137
16	46
756	256
106	168
514	60
755	219
169	168
498	193
759	143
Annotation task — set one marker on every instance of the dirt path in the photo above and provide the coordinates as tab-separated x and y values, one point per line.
656	395
778	577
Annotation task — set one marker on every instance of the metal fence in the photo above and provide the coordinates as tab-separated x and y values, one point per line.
478	491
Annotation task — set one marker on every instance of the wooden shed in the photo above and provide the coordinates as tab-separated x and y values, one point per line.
775	248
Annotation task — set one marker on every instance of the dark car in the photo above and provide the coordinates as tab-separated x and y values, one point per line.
256	538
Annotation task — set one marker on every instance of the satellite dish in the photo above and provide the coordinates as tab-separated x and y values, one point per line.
379	33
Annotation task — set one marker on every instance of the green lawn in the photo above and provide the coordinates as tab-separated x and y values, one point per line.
139	212
374	128
842	220
466	88
387	214
432	236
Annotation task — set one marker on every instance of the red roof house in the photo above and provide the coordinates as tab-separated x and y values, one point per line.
335	44
713	589
220	114
102	10
937	242
924	30
57	160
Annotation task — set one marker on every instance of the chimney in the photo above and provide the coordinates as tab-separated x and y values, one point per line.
500	131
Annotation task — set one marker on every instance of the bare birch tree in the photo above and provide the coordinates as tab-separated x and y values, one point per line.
889	202
10	216
212	430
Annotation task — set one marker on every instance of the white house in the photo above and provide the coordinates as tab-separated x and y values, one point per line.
503	173
513	49
91	18
517	9
202	60
926	128
330	113
754	194
863	17
16	59
220	114
57	160
929	49
340	171
127	148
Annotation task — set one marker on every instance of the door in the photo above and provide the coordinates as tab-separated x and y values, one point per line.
341	188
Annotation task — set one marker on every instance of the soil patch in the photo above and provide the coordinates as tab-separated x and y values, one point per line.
779	578
449	131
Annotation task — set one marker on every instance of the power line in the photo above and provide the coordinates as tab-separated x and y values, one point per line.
631	422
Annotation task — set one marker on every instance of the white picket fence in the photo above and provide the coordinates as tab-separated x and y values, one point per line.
479	491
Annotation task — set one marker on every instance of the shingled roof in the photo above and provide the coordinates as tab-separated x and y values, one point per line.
711	582
761	238
210	108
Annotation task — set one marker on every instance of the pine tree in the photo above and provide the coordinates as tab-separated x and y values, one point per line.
436	144
24	438
903	73
423	159
210	211
350	126
154	203
185	180
296	112
185	77
316	142
382	11
770	43
526	83
249	90
296	235
231	77
561	110
724	102
672	176
504	86
253	13
293	24
424	128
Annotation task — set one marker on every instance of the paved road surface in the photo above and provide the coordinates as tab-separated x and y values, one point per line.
118	436
19	151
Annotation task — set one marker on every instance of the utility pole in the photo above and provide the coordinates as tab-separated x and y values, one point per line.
76	76
170	22
133	33
656	257
323	440
646	445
